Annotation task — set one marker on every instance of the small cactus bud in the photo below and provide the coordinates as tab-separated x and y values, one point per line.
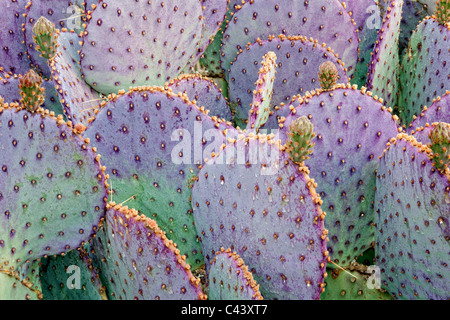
442	12
45	37
328	75
440	145
31	91
299	145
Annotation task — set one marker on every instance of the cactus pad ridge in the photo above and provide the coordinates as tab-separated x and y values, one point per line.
262	95
438	111
52	190
205	93
251	210
298	59
14	288
138	261
352	128
138	46
412	204
230	279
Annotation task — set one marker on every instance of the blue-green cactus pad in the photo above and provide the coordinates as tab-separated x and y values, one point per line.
412	206
69	277
354	286
252	199
352	131
230	279
151	140
52	189
423	74
382	77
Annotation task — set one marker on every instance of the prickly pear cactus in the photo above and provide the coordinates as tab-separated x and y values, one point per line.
70	277
52	186
352	128
13	55
230	279
144	43
298	61
412	203
152	160
163	108
423	75
439	110
137	260
205	92
317	19
266	209
383	66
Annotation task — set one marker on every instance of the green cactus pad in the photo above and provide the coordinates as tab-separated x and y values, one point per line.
52	188
341	285
70	277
